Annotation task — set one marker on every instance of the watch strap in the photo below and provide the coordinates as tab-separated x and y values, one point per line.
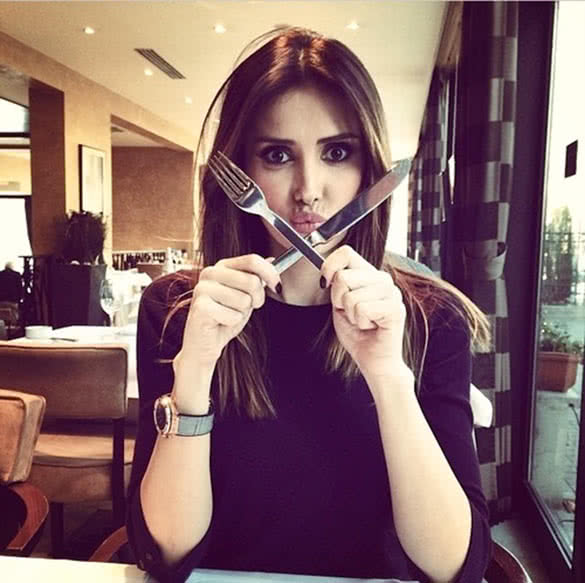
192	425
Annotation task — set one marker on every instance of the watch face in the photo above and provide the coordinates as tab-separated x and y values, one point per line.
162	414
160	417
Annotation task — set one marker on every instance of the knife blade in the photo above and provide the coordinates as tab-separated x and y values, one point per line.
355	210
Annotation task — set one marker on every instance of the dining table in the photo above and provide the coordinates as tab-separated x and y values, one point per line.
48	570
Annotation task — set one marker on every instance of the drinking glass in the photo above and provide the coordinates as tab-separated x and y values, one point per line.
110	298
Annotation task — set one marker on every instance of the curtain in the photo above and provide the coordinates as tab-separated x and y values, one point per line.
429	179
461	235
484	161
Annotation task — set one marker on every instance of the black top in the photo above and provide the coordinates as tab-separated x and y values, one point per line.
10	286
306	492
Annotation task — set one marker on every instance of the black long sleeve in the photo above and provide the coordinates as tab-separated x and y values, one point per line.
307	492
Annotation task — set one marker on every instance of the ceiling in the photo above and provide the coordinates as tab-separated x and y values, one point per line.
397	41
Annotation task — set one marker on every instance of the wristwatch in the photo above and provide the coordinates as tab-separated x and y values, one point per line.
168	421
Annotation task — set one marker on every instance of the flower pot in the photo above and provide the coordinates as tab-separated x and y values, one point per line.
75	295
556	371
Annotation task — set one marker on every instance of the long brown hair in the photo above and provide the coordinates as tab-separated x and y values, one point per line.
292	57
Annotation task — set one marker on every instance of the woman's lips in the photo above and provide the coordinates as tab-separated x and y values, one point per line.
305	223
305	228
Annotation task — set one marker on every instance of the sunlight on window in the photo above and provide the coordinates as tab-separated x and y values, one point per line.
14	233
13	117
559	368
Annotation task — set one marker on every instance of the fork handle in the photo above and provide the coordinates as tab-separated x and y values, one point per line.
287	259
303	246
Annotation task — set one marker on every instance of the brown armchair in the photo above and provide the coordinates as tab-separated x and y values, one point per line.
82	454
23	506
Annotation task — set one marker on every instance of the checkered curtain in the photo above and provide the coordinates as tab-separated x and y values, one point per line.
428	180
462	236
484	157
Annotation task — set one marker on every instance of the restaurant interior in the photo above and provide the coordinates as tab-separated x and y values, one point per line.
101	108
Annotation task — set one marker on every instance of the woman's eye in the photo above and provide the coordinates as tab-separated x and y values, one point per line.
275	155
337	152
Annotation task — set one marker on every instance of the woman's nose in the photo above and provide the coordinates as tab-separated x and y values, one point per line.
308	185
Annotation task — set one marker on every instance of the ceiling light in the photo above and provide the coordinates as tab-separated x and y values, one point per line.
89	30
353	25
219	28
148	72
188	100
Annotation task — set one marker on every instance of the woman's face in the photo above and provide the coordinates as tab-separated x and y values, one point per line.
305	153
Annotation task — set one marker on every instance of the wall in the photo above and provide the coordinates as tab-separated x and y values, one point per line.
152	199
47	165
15	168
86	115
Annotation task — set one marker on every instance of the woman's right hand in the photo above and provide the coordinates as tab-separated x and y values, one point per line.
223	300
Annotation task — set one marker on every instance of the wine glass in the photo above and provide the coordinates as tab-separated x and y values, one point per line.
110	298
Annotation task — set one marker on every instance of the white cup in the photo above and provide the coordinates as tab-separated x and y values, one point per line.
38	332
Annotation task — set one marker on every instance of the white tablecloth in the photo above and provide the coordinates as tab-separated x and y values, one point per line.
65	571
129	286
37	570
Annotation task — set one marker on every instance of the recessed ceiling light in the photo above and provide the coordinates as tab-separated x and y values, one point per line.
219	28
89	30
353	25
148	72
188	100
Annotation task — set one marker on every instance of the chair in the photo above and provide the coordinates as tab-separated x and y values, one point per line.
24	507
154	270
76	458
504	567
110	546
10	315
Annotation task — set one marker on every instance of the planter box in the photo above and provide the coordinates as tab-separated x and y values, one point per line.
556	371
75	295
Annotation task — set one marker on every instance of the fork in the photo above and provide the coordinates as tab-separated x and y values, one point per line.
248	196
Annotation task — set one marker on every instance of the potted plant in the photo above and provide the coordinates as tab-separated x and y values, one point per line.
558	358
76	274
84	238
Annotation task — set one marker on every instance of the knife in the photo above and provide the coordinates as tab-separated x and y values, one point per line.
355	210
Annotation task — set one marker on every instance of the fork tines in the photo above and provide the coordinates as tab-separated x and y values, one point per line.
232	180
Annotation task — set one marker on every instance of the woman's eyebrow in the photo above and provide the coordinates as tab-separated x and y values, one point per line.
287	142
272	140
337	137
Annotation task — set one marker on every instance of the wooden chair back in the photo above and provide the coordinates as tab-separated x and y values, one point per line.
79	381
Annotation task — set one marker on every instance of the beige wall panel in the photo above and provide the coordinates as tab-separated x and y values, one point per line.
152	199
47	141
15	169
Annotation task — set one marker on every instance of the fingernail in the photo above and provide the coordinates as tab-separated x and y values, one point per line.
323	282
278	288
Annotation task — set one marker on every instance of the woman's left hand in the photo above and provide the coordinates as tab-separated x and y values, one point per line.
368	312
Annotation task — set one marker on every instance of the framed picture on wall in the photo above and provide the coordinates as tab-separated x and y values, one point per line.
92	168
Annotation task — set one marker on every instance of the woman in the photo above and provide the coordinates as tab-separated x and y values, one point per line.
342	442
